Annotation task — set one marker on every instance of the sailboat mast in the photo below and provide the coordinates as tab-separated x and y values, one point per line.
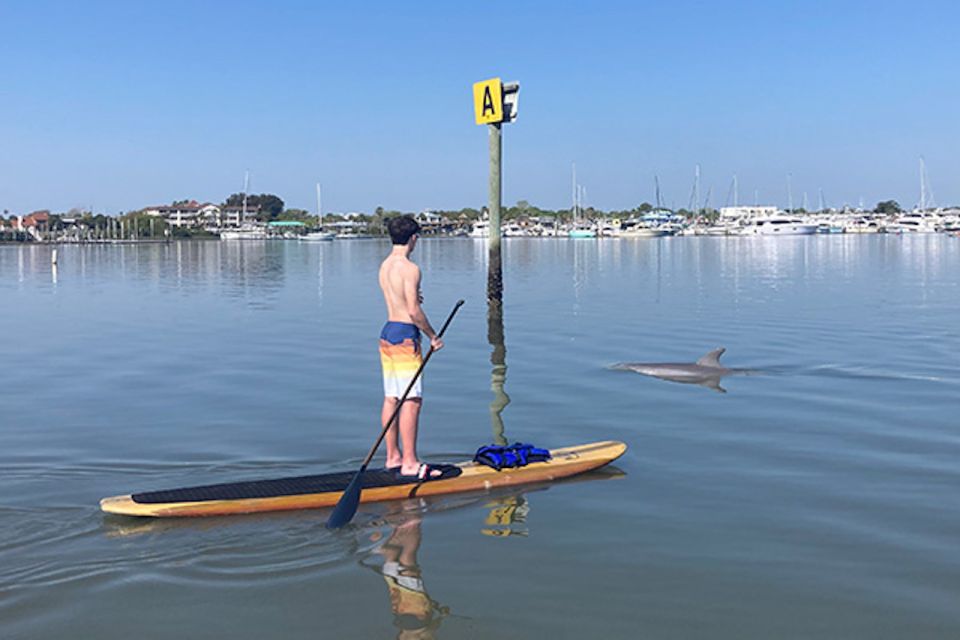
573	191
246	186
696	191
319	208
923	186
790	192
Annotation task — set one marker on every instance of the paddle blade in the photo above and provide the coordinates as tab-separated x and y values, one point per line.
348	503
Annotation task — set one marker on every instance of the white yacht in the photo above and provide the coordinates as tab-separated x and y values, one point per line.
481	229
515	230
781	225
246	232
318	236
724	228
915	222
582	231
862	224
642	231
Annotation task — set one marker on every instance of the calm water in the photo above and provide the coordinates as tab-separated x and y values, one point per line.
817	499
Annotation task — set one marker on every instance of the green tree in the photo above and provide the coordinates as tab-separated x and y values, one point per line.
297	215
266	205
888	207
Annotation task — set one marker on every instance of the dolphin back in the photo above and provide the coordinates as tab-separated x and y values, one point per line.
712	359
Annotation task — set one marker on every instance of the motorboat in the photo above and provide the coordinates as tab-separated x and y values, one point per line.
246	232
914	223
778	226
582	232
481	229
318	236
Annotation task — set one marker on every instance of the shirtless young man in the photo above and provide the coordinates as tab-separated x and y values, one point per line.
400	352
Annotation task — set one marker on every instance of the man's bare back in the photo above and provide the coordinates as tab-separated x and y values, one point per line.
400	282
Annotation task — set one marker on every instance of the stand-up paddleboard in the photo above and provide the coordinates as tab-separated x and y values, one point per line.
313	492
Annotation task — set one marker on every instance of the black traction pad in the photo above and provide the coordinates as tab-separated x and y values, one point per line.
302	485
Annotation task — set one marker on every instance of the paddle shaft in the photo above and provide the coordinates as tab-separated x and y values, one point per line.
396	412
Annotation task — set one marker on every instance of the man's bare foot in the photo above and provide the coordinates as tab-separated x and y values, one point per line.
421	471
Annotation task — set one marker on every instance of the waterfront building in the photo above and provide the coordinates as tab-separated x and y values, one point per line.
194	214
433	222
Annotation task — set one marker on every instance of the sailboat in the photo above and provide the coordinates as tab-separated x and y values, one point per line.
580	229
320	235
246	230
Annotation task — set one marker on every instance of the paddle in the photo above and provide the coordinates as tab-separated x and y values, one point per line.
347	505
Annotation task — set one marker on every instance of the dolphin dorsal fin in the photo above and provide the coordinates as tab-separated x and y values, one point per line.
712	359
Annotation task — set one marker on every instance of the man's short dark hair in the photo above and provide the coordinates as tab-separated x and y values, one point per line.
401	228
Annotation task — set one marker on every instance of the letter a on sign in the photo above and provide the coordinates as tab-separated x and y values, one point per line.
488	101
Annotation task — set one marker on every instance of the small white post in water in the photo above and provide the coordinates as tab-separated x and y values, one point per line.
53	258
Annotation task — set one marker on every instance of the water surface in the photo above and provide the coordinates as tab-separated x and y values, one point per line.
818	499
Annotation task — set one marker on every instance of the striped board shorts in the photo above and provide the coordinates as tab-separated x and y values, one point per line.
400	357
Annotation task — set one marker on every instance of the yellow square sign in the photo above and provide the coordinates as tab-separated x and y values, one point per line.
488	101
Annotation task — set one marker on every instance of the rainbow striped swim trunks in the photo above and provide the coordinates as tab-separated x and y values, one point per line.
400	358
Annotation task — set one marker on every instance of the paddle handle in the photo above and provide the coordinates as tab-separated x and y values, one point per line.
413	381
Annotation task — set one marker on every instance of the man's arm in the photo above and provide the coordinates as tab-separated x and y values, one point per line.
411	294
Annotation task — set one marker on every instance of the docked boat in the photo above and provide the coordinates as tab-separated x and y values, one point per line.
515	230
863	224
318	236
641	231
247	232
481	229
582	232
829	227
581	228
778	226
914	223
720	229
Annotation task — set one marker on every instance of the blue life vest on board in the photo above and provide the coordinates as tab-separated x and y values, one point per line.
516	455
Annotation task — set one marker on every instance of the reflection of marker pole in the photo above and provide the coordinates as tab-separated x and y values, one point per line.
495	264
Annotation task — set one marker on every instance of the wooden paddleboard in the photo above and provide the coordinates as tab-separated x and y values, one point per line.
317	491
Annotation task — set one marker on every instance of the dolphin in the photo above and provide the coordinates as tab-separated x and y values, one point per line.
707	371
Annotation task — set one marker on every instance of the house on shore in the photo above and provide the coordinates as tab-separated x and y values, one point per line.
193	214
432	222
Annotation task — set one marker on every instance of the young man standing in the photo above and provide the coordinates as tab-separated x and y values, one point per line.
400	352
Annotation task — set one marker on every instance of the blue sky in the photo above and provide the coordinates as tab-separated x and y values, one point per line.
121	105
